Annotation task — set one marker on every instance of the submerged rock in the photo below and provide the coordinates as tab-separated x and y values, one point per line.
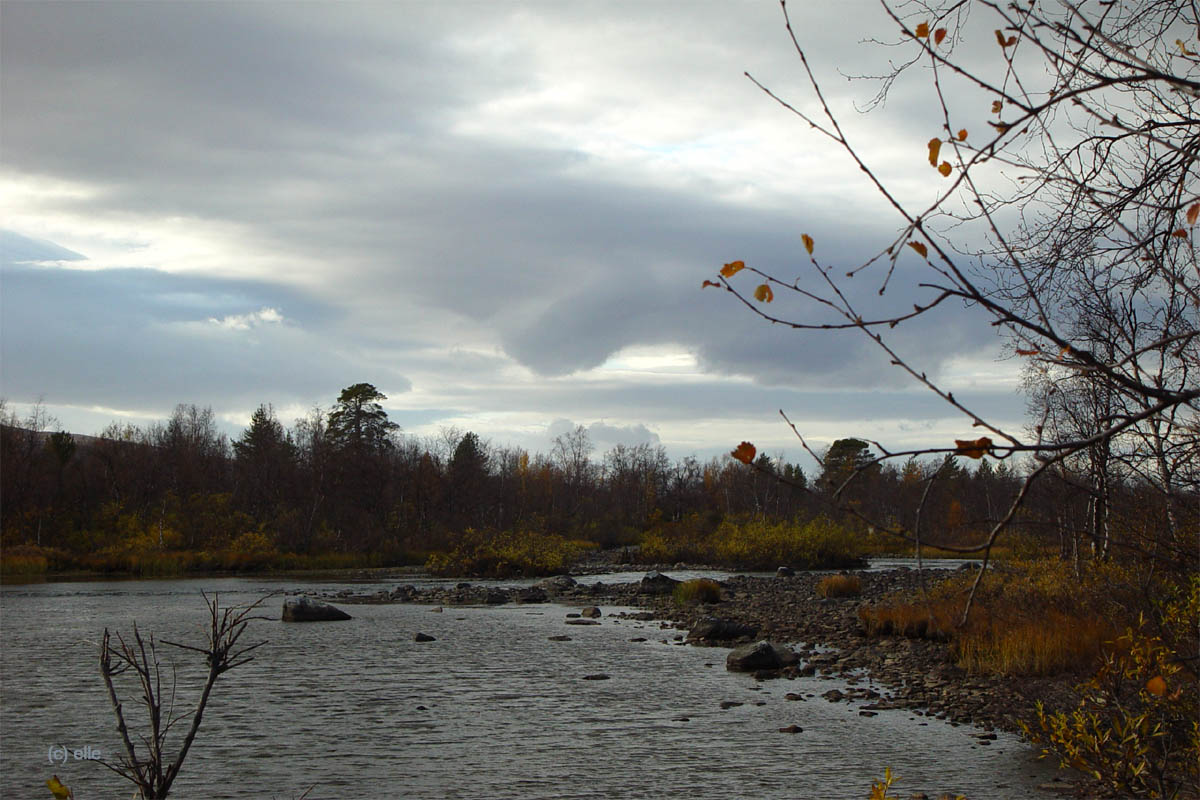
304	609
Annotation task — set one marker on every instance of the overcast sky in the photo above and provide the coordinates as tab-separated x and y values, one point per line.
500	214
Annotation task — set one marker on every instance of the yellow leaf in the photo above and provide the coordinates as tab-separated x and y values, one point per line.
973	449
744	453
996	106
1157	685
1181	233
920	248
1001	127
1183	48
58	789
763	293
935	147
923	30
732	268
1193	213
808	242
938	35
944	168
962	135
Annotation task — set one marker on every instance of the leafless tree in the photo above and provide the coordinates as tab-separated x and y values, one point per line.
1065	220
151	768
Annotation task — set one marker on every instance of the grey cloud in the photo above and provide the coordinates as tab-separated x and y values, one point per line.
141	338
332	135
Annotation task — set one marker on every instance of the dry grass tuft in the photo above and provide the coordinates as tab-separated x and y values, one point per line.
840	586
697	590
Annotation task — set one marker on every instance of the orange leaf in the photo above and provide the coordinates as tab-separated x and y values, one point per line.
1157	685
732	268
763	293
706	284
975	449
920	248
923	30
996	106
1181	233
744	453
808	242
938	35
1193	213
1000	37
944	168
935	147
962	135
1021	352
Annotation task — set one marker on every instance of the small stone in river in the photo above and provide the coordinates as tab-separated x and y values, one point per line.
583	622
728	704
792	729
422	708
868	713
436	609
560	638
423	637
598	677
591	612
793	696
681	719
638	639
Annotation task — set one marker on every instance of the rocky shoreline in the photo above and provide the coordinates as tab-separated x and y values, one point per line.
914	674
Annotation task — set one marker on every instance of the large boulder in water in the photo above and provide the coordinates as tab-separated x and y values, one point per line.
716	629
760	655
305	609
657	583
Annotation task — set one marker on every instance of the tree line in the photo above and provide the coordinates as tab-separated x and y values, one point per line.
347	481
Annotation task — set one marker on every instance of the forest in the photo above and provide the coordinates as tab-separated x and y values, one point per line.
345	487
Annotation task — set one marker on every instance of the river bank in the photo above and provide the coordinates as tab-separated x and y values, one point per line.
879	672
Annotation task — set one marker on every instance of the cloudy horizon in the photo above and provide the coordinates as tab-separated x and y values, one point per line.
500	215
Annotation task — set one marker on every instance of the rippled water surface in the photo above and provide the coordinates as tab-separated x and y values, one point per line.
493	709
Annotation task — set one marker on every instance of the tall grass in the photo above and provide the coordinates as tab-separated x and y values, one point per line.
839	586
1031	618
696	591
754	544
505	554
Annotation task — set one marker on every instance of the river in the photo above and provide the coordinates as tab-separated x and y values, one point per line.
492	709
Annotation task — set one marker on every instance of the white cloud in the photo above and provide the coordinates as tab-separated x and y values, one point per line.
245	322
